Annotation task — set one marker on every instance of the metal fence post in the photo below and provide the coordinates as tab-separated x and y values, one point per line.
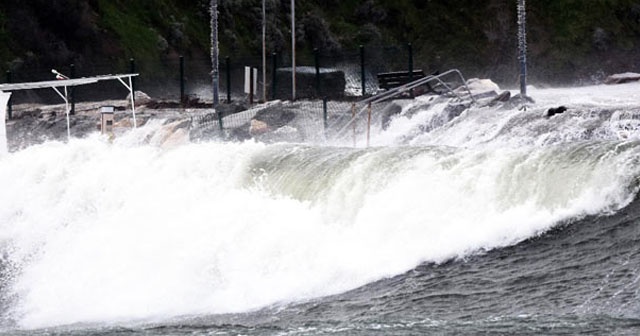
9	107
273	79
316	55
362	78
219	113
353	123
227	61
72	92
182	97
368	124
324	115
410	50
251	88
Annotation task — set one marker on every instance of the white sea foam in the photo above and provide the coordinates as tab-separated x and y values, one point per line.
100	232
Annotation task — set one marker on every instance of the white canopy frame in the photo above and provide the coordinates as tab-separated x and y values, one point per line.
64	83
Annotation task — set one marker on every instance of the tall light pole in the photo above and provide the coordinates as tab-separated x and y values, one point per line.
293	50
264	51
214	51
522	46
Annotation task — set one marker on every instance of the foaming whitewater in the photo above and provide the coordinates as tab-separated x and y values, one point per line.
100	232
603	112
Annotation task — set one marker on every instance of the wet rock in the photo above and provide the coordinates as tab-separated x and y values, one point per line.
452	111
501	98
555	110
480	86
172	134
518	99
140	98
178	138
388	112
484	95
286	133
622	78
275	116
258	127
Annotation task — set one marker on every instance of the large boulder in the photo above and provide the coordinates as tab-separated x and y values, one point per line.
257	127
481	87
622	78
391	110
275	116
140	98
172	134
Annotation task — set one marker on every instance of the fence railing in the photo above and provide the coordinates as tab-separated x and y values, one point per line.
361	111
182	78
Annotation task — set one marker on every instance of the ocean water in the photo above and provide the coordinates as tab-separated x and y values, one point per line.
496	222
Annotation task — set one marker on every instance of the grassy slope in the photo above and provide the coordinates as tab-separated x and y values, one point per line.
145	29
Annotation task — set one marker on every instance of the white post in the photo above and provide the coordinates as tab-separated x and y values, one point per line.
133	103
293	49
66	105
131	93
4	100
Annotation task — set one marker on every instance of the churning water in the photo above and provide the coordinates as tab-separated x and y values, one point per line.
498	221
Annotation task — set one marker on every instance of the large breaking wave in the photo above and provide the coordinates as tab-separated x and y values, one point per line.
99	232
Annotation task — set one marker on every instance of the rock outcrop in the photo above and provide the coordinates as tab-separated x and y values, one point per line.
622	78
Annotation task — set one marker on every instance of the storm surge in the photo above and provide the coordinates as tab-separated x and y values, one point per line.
100	232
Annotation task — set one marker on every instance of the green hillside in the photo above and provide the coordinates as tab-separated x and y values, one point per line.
569	40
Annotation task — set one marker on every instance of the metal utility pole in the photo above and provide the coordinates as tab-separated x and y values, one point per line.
522	46
264	51
214	51
293	49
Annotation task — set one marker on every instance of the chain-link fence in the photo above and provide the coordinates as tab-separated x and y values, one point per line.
327	85
310	121
318	74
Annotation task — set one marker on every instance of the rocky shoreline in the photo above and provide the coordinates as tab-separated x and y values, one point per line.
276	121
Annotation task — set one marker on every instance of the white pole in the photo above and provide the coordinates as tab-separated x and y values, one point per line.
133	102
66	105
293	49
131	95
264	52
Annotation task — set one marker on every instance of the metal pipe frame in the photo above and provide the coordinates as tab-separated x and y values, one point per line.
407	87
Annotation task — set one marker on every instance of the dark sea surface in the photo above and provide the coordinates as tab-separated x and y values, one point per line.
580	278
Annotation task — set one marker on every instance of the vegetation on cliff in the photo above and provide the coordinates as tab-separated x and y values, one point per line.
569	40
